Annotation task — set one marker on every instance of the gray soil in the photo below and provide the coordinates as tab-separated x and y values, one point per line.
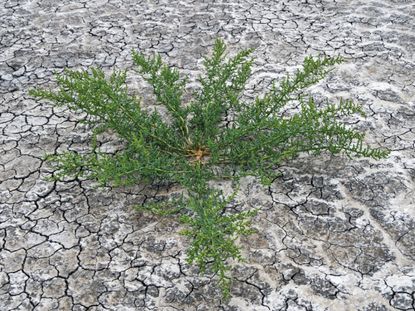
333	233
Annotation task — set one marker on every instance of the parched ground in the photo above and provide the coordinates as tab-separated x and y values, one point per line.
333	233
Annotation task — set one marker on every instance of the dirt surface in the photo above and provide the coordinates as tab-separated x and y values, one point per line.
333	233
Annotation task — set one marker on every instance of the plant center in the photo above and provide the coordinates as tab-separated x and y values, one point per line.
198	154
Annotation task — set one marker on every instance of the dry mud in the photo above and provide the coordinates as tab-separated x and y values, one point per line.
333	233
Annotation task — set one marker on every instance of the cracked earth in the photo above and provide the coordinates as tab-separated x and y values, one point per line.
333	233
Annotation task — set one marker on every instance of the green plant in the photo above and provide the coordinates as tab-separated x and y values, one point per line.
192	147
